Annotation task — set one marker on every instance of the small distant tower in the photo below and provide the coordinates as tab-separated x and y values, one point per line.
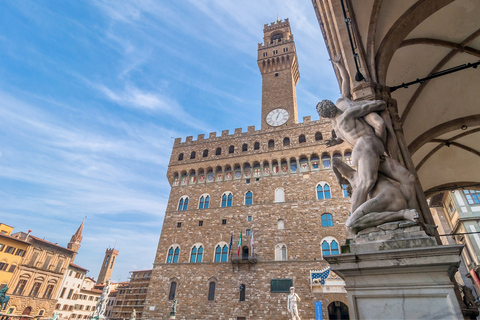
75	241
278	64
107	265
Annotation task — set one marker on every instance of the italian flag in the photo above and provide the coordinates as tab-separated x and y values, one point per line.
239	244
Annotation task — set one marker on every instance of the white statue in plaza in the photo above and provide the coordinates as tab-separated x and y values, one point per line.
133	315
364	125
102	302
292	304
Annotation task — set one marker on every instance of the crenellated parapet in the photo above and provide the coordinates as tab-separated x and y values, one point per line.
238	132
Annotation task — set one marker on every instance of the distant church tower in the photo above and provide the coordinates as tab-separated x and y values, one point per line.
75	241
277	60
107	265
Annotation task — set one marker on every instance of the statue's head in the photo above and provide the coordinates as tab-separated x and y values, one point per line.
292	289
327	109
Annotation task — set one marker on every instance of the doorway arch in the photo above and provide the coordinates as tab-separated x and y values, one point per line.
338	310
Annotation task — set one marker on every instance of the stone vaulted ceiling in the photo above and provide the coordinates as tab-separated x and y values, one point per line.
401	41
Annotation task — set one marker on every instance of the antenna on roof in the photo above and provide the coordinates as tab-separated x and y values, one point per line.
115	244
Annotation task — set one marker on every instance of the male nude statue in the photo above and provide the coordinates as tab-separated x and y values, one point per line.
379	121
368	150
386	201
359	124
292	302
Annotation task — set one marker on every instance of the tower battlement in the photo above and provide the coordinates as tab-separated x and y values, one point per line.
276	25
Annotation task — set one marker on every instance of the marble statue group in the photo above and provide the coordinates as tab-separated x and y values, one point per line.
383	190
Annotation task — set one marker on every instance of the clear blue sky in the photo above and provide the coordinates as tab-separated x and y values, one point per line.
92	94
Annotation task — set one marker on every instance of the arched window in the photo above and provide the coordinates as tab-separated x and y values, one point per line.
183	203
329	246
244	147
280	252
323	191
327	220
256	146
196	254
248	198
242	292
326	161
231	149
205	153
279	195
345	190
193	155
227	198
211	291
318	136
271	144
218	253
207	202
348	158
286	141
221	253
337	156
326	191
173	254
225	253
204	202
218	151
180	157
301	138
173	288
176	253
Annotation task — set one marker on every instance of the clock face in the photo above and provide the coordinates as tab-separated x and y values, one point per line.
277	117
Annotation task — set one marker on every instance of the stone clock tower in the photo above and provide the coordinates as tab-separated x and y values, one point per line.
277	60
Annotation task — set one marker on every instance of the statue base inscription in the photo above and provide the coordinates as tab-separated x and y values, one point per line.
396	271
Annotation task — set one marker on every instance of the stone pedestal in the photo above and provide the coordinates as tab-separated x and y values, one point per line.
396	271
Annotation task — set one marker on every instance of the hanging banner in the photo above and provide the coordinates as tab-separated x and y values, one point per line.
318	310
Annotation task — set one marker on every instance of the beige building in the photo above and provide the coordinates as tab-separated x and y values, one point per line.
37	279
77	298
276	189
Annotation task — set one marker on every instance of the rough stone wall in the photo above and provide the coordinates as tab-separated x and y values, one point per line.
302	233
193	283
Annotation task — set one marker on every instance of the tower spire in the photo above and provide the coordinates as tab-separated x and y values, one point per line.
75	241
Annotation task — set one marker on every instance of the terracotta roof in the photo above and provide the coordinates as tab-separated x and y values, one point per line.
50	243
25	237
13	238
77	266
